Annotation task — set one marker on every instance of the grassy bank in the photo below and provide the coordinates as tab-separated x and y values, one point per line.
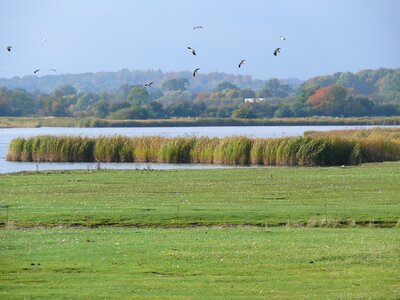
314	149
314	197
202	263
184	122
201	234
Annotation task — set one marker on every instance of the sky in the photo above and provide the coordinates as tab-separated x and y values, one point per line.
322	36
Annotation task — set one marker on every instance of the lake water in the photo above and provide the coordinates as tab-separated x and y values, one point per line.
8	134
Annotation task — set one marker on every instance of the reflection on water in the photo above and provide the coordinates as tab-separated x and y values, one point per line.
8	134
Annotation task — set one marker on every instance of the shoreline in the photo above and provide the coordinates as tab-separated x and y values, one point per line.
30	122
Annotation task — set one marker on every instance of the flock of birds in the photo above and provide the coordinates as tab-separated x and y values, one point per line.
192	50
9	48
276	52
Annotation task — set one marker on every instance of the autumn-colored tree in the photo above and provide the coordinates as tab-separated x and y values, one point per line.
329	100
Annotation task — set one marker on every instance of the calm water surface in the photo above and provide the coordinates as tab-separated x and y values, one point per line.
8	134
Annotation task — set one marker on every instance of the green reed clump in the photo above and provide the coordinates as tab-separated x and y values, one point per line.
376	149
52	149
313	152
341	152
292	151
287	149
64	149
15	149
203	150
176	150
26	153
371	145
265	151
49	148
82	148
356	156
113	149
233	150
145	149
271	150
257	152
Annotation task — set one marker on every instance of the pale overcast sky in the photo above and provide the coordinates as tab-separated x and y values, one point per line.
323	36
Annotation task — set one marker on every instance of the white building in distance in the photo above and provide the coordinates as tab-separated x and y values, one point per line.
252	100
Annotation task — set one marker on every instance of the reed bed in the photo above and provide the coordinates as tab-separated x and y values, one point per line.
378	132
314	149
374	145
233	150
146	149
52	149
203	150
113	149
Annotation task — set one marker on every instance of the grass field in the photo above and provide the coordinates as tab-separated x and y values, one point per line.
255	196
204	263
202	234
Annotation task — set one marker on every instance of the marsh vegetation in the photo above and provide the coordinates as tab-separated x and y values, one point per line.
313	149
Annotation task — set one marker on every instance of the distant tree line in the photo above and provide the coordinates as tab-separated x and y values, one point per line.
366	93
111	81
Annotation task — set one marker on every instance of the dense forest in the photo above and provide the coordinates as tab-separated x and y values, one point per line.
122	95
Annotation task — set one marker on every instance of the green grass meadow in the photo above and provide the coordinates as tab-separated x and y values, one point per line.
252	196
241	233
203	263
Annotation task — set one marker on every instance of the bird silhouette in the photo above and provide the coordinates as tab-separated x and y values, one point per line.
195	72
53	70
283	38
241	62
149	84
193	51
197	27
277	51
36	71
9	48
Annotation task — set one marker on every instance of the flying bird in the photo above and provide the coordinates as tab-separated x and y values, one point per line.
44	40
241	62
195	72
277	51
149	84
197	27
53	70
283	38
36	71
9	48
193	51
